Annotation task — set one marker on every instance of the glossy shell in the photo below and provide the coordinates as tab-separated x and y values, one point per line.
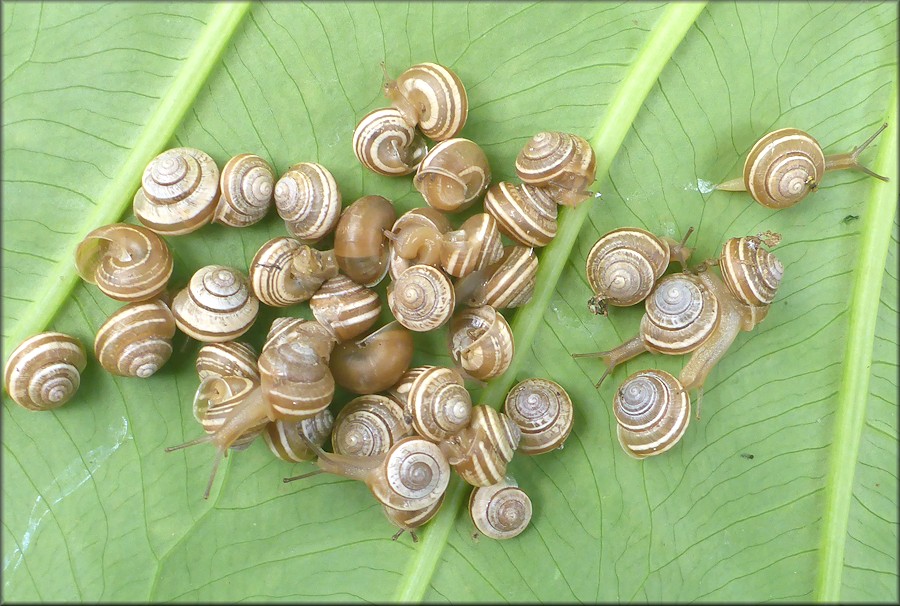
216	400
481	342
525	213
652	410
295	380
418	237
431	97
345	307
399	391
410	520
681	314
384	143
308	199
481	453
284	272
136	340
751	273
360	247
246	186
421	298
227	359
505	284
475	245
453	175
369	425
308	332
415	477
439	403
544	413
500	511
783	167
44	372
624	264
216	306
375	362
283	437
564	162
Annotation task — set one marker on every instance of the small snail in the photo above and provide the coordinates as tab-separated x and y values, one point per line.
624	265
787	164
410	520
308	199
246	185
375	362
507	283
127	262
421	298
284	272
217	305
360	247
44	372
481	342
453	175
384	143
310	332
179	191
543	412
475	245
501	510
215	400
283	437
431	97
295	380
652	411
399	391
136	340
345	307
369	425
227	359
480	452
526	213
563	163
439	404
417	237
751	273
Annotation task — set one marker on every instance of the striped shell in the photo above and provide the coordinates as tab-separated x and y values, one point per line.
375	362
345	307
431	97
501	510
136	340
44	372
439	403
475	245
283	437
360	247
681	314
505	284
384	143
246	186
216	306
295	380
481	452
624	264
751	273
421	298
410	520
414	475
561	161
179	191
783	167
481	342
308	332
284	272
544	413
526	213
127	262
227	359
417	239
369	425
308	199
216	400
652	411
399	391
453	175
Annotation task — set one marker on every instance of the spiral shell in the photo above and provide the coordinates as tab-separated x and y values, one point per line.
283	437
417	239
216	306
308	199
246	185
216	400
127	262
481	342
295	380
298	330
453	175
178	193
526	213
384	143
505	284
414	475
227	359
375	362
284	272
751	273
412	519
543	412
431	97
624	264
421	298
481	452
564	162
783	167
439	403
475	245
500	511
136	340
652	411
360	247
369	425
681	314
345	307
44	372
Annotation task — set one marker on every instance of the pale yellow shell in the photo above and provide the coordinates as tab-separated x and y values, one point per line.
227	359
439	403
44	372
215	401
384	143
431	97
308	199
652	410
526	213
453	175
501	510
750	272
284	272
216	306
246	187
421	298
544	413
481	342
348	309
283	437
136	340
369	425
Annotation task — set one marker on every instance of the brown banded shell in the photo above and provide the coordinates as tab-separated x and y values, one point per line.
544	413
216	306
681	313
505	284
375	362
345	307
295	380
481	342
624	264
44	372
439	403
178	193
127	262
475	245
783	167
481	452
308	332
417	239
431	97
399	391
421	298
369	425
360	247
453	175
501	510
284	272
308	199
384	143
136	340
526	213
283	437
563	162
246	186
410	520
652	411
227	359
751	273
416	474
217	398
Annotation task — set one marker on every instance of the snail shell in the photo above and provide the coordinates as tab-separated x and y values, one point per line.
384	143
136	340
44	372
439	403
284	272
410	520
127	262
526	213
475	245
623	265
430	96
652	411
481	342
283	437
375	362
178	193
453	175
421	298
246	186
507	283
308	332
308	199
544	413
481	452
228	359
783	167
681	314
561	161
216	306
369	425
751	273
399	391
345	307
217	398
295	380
418	239
500	511
360	247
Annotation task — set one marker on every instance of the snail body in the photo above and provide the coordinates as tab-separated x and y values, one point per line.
431	97
501	510
652	411
136	340
422	298
308	199
284	272
360	247
453	175
386	144
417	237
284	441
374	362
481	342
369	425
345	307
525	213
227	359
543	412
217	305
44	372
563	163
215	400
480	452
246	184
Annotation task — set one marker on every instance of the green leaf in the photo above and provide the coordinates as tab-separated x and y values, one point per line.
671	96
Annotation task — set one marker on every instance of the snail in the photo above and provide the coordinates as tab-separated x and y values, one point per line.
410	520
283	437
215	400
369	425
543	412
431	97
481	342
438	403
44	372
227	359
652	412
246	185
375	362
345	307
506	283
127	262
136	340
360	247
475	245
385	144
217	305
284	272
480	452
399	391
525	213
562	163
501	510
308	199
787	164
179	191
624	264
751	273
453	175
421	298
310	332
417	237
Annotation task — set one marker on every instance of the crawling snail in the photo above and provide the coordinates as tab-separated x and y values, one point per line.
431	97
284	272
562	163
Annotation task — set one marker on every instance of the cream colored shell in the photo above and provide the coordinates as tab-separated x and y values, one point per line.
136	340
506	283
481	452
346	308
44	372
526	213
562	162
750	272
544	413
216	306
422	298
284	272
652	410
246	187
681	313
624	264
217	398
439	403
384	143
369	425
284	441
481	342
501	510
308	199
227	359
431	97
